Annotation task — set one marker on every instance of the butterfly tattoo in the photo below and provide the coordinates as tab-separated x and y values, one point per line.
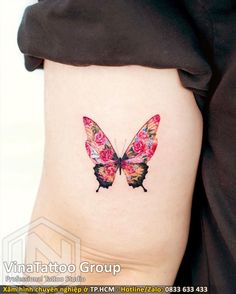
134	161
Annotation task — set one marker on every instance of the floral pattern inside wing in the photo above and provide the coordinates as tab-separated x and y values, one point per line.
144	143
97	144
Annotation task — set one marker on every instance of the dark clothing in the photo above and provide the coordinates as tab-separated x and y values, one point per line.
199	39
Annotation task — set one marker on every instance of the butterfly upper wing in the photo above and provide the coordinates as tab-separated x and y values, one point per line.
140	151
98	146
101	152
144	143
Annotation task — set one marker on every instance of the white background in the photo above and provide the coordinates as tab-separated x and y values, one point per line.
22	128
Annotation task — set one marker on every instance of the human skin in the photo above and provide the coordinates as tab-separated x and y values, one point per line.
146	233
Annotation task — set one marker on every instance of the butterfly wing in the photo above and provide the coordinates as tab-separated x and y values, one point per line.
101	152
140	151
135	173
105	174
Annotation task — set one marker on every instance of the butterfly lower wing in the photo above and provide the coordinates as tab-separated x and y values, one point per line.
101	152
105	174
135	173
140	151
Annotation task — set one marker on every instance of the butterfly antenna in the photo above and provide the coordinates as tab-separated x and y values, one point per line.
124	146
116	145
98	188
144	189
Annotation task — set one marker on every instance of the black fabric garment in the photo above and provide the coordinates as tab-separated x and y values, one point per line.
150	33
199	39
215	260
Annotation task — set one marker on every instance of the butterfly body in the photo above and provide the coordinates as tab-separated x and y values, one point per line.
134	161
119	163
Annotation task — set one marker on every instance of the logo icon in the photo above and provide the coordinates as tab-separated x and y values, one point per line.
41	253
